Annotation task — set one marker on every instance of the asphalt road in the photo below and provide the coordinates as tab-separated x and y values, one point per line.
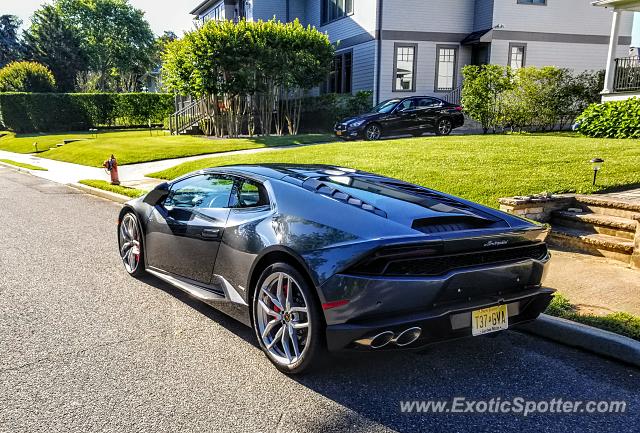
84	347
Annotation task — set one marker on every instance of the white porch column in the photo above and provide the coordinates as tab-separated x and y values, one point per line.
611	58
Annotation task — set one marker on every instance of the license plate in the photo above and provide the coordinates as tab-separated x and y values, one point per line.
338	132
489	320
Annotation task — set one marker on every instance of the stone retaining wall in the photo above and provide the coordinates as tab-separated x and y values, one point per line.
536	207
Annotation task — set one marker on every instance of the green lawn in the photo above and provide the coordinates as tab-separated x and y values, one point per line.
23	165
106	186
620	323
481	168
131	147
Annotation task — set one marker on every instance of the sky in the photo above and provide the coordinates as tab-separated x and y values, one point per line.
162	14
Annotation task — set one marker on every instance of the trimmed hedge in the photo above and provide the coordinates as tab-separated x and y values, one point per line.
45	112
613	119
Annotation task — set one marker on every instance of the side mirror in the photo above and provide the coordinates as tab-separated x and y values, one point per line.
156	195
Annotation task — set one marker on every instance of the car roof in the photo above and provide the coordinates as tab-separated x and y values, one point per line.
280	170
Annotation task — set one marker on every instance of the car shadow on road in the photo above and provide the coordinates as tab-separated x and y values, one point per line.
222	319
373	385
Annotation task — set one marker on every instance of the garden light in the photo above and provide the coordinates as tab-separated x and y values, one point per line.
597	165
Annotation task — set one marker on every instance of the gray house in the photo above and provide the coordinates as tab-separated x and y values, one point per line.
405	47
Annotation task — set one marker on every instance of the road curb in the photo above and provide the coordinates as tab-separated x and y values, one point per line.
585	337
16	168
118	198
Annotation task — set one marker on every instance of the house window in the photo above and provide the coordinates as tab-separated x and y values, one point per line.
339	80
335	9
532	2
517	55
446	63
216	13
404	68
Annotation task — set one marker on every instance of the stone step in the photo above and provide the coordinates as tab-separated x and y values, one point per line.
609	206
591	243
604	224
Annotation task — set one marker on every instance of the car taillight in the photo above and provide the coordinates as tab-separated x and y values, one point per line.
458	108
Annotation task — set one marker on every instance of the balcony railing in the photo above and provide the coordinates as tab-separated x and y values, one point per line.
627	74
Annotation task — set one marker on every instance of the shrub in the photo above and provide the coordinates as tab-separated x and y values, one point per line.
529	98
44	112
481	91
614	119
26	77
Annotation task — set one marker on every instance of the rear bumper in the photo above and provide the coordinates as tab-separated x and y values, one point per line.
440	305
439	324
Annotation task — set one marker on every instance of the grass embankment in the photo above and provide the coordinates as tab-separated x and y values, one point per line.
620	323
23	165
481	168
106	186
136	146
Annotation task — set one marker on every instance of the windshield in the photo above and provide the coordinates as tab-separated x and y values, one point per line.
386	106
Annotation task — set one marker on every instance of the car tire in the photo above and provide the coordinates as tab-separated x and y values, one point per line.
309	348
373	132
130	245
444	126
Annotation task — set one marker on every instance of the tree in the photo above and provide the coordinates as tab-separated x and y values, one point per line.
10	46
116	38
250	67
26	77
52	42
481	92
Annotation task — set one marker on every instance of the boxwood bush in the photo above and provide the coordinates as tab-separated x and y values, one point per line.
26	77
613	119
45	112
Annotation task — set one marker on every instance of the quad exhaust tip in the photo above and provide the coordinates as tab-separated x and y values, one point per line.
407	336
382	339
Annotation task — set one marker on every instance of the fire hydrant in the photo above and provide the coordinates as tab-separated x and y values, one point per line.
111	166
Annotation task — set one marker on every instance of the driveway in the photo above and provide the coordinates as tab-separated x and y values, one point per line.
84	347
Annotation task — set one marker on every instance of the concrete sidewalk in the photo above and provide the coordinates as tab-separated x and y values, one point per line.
596	285
132	175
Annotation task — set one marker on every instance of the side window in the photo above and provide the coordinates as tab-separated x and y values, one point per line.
406	105
428	103
249	194
201	191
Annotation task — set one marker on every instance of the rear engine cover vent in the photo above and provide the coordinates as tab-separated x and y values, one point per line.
451	224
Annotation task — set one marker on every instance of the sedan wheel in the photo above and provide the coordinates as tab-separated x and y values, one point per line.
444	127
285	319
373	132
130	243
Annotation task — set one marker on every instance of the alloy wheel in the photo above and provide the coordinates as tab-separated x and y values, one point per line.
130	243
283	319
373	132
444	127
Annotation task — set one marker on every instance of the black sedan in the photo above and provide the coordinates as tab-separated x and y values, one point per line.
322	258
415	115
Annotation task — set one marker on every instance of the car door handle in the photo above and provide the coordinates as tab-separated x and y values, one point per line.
211	233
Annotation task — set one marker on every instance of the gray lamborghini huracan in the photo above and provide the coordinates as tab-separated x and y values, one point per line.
322	258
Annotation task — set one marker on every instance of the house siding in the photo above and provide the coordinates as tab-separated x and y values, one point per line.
266	10
483	11
579	57
558	16
364	63
445	16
